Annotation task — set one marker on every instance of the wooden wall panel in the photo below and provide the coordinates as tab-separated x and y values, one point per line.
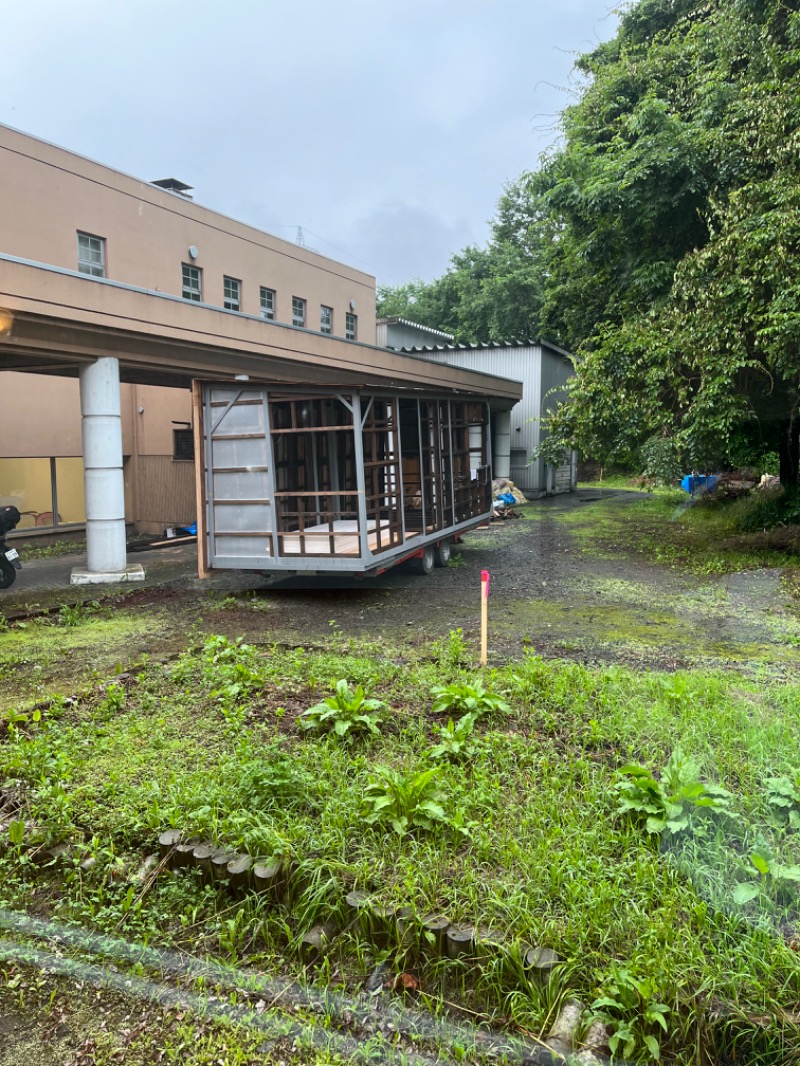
165	493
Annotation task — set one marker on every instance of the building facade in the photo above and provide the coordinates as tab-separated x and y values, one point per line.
125	238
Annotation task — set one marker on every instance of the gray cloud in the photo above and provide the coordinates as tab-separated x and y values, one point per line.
386	129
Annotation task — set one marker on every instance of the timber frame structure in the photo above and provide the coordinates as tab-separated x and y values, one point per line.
335	480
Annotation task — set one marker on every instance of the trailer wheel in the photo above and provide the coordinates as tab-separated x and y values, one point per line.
8	574
425	563
442	553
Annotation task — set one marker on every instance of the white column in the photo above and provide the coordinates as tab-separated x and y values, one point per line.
501	444
101	427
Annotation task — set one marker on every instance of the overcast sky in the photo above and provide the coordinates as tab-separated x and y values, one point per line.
385	129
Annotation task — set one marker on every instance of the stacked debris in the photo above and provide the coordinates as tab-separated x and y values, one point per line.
505	496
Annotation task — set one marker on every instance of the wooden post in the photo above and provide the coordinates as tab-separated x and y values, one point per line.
460	941
240	872
484	617
200	477
434	930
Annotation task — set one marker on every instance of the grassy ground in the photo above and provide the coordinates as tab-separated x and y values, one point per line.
703	536
681	933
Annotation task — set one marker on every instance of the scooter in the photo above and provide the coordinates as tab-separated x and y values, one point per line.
9	557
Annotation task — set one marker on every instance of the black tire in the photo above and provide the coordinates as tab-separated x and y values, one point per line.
426	562
442	553
8	574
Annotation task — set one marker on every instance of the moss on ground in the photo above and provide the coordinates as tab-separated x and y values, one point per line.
43	652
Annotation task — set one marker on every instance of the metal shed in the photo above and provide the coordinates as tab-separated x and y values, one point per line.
544	370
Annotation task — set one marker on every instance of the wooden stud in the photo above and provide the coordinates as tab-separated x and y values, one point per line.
219	864
356	903
317	941
380	918
201	857
540	962
489	943
184	854
167	842
405	928
270	878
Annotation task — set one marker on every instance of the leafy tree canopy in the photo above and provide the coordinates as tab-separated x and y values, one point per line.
675	273
660	241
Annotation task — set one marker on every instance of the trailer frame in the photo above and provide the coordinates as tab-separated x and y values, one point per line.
336	480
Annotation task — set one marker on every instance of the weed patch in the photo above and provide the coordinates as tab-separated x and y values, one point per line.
505	817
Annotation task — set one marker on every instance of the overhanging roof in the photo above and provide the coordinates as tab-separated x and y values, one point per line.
488	346
393	320
61	318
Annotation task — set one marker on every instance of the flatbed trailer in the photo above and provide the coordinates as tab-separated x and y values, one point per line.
334	481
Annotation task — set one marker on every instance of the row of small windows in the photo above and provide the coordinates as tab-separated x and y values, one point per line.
92	260
232	301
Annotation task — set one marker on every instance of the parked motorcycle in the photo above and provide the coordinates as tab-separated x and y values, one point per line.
9	557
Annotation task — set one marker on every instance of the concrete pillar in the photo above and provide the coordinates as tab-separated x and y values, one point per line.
501	444
101	427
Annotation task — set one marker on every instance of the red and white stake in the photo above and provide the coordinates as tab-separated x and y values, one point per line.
485	580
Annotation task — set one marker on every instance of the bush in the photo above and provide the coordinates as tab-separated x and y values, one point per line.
659	459
769	509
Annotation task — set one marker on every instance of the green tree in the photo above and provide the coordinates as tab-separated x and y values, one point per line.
675	196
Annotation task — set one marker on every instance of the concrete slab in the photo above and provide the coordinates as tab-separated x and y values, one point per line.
82	576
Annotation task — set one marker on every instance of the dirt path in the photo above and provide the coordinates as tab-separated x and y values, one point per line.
552	590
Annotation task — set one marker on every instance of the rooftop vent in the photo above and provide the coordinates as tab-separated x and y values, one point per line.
173	185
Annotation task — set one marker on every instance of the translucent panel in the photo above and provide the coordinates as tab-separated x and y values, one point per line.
241	518
254	548
25	484
238	453
242	485
69	482
240	418
218	394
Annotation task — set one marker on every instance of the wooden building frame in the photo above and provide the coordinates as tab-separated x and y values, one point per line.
336	480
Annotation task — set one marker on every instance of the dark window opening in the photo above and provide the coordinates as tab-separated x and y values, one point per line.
183	444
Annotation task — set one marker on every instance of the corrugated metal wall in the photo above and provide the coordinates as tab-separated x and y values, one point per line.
519	364
555	373
540	370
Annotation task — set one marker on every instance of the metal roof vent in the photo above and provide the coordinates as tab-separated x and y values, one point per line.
173	185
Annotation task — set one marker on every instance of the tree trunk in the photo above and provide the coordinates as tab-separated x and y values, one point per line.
789	452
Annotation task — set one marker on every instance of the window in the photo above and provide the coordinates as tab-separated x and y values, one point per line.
350	327
298	311
232	294
267	303
325	319
91	255
47	492
182	444
192	283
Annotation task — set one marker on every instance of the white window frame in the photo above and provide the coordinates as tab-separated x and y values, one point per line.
268	300
325	319
350	326
91	254
298	311
190	290
231	293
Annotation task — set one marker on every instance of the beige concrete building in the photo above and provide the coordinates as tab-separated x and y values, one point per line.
143	294
66	212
